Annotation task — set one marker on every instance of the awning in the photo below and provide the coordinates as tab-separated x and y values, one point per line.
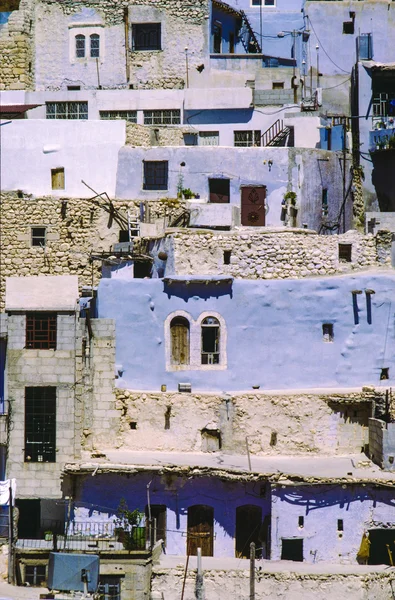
15	111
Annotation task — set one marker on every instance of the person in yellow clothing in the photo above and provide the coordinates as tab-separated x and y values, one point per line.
364	549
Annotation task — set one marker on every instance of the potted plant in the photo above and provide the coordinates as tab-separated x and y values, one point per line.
48	536
291	197
127	527
188	194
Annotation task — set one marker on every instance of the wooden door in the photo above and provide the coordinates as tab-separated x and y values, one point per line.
253	206
200	530
248	529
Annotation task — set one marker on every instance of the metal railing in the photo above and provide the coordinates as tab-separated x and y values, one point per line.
271	133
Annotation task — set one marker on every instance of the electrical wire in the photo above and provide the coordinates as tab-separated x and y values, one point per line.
323	49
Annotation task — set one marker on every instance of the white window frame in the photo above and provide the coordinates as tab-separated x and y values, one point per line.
195	342
162	116
86	29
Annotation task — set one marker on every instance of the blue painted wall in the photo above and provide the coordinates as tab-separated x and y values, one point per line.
274	331
229	24
177	493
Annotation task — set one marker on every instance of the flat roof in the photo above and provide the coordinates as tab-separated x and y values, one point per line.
42	292
285	470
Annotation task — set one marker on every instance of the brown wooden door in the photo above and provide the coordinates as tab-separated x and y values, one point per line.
253	206
200	530
179	333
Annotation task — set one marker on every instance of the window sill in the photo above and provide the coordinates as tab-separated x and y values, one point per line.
172	368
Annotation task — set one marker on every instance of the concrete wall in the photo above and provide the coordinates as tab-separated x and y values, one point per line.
302	422
306	171
86	150
177	494
256	315
360	508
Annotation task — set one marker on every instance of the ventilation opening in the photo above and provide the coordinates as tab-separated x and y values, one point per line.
327	332
142	269
167	417
73	88
348	27
301	522
133	424
345	252
123	235
227	257
385	374
277	85
273	438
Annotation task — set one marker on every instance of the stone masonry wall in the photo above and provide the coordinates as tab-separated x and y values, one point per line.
275	254
17	49
143	135
290	583
377	429
26	368
294	423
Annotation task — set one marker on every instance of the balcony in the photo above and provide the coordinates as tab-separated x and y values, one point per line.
90	536
382	138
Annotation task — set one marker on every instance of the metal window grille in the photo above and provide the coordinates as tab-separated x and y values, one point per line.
40	424
95	45
146	36
128	115
35	575
247	138
210	341
80	46
39	236
162	117
208	138
67	110
110	587
41	330
155	175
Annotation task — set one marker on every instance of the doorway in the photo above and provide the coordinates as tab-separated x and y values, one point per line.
29	519
200	530
248	527
382	546
292	549
253	212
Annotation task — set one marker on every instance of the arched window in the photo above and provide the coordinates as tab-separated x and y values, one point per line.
179	333
80	46
210	341
95	45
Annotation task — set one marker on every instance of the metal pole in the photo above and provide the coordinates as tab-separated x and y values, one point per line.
199	576
185	573
10	537
318	65
252	571
186	65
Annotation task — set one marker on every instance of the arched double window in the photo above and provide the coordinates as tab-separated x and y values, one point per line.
210	341
179	334
95	45
80	46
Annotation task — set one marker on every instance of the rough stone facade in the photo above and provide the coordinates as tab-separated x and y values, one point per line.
141	135
17	49
275	254
294	423
234	583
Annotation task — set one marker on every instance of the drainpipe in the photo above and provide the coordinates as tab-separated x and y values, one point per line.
127	48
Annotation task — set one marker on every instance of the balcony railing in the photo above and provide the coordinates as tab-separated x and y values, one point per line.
90	535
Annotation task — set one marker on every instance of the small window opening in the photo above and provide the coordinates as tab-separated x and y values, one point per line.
73	88
123	235
273	438
211	440
41	330
348	27
301	522
327	332
292	549
324	202
345	252
57	178
39	236
227	256
340	526
385	374
142	269
35	575
277	85
219	191
210	341
167	417
133	424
